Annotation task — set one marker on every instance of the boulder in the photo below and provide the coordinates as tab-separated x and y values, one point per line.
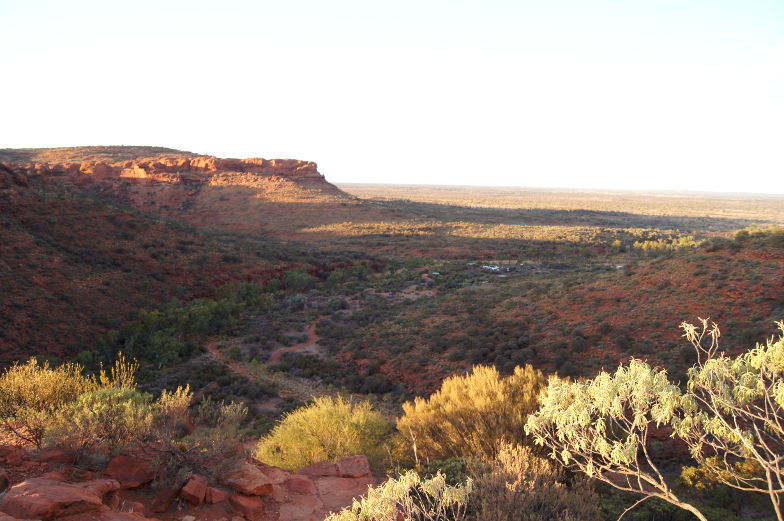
251	507
130	471
253	480
316	470
40	498
195	490
107	516
54	456
163	500
301	508
337	493
215	495
299	484
11	455
353	467
6	517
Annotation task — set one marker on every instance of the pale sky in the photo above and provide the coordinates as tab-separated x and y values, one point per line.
625	94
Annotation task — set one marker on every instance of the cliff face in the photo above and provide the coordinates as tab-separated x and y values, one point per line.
253	195
187	170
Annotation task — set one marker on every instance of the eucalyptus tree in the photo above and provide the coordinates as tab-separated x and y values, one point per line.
733	413
602	427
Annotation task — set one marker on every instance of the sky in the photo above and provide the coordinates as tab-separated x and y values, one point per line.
603	94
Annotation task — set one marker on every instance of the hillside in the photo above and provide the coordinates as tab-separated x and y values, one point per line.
73	266
250	195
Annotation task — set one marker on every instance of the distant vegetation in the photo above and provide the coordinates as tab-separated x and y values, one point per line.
424	327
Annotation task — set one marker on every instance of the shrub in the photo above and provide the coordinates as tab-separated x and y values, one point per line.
472	415
518	485
170	412
410	497
218	432
31	394
104	419
327	429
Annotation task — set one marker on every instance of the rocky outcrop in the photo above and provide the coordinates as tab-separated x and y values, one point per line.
130	471
196	170
253	479
247	490
45	499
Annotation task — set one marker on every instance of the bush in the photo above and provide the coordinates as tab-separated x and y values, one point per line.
218	432
327	429
472	415
410	497
31	394
170	413
520	486
104	419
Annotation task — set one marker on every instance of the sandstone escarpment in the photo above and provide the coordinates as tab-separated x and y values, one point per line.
174	169
252	195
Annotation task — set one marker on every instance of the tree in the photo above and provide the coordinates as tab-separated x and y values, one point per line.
601	427
327	429
472	415
733	415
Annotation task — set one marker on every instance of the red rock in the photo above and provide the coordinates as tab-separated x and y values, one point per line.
338	493
317	470
107	516
280	493
4	481
301	508
353	467
57	475
249	506
299	484
195	490
163	500
253	480
130	471
40	498
82	475
11	455
6	517
54	456
215	495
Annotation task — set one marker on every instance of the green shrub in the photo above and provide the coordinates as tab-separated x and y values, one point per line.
170	413
32	393
327	429
218	429
104	419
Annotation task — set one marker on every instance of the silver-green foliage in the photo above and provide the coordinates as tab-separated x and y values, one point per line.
409	497
602	426
734	413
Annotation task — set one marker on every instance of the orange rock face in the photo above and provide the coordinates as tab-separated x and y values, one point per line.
259	492
131	472
253	479
45	499
169	169
195	491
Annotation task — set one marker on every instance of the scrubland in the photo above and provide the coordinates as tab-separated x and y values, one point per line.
498	353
